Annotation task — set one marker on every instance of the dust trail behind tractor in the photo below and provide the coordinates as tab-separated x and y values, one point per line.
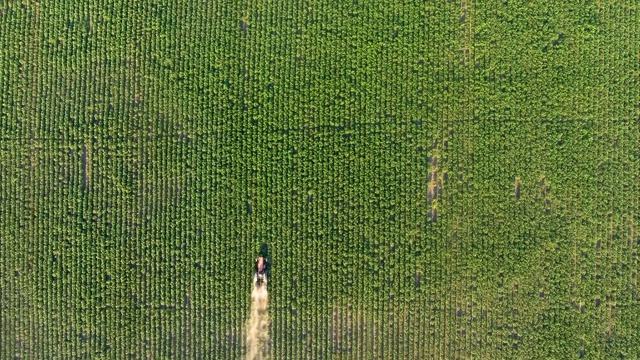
258	323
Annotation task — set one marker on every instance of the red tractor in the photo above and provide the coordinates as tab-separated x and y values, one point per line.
260	277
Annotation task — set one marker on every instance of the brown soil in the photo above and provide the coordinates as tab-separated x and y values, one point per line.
432	191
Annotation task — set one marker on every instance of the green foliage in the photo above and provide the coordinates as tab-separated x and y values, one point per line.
148	149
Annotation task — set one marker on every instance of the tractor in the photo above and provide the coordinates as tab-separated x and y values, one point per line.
260	277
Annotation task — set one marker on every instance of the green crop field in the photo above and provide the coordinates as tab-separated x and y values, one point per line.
432	179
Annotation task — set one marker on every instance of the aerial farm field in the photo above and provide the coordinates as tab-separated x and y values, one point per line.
429	179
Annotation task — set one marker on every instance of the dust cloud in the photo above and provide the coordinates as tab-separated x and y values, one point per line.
258	324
